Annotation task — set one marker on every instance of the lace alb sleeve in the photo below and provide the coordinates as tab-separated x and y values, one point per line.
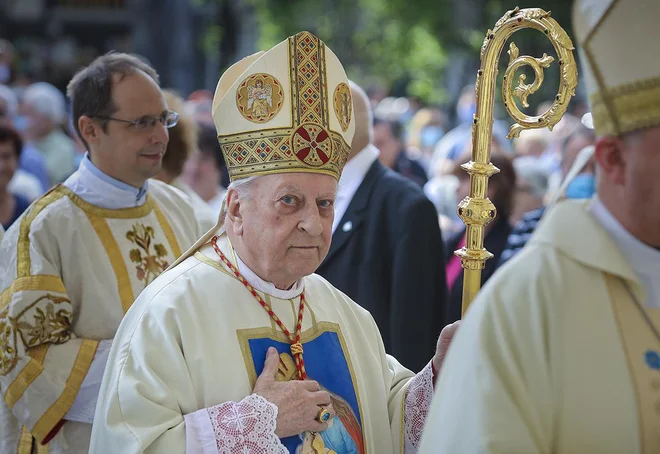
416	408
245	427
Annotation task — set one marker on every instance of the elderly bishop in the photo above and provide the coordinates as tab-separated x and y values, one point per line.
239	347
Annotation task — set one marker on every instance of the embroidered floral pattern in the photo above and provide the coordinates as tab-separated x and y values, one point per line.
246	426
47	325
149	264
7	345
418	400
46	320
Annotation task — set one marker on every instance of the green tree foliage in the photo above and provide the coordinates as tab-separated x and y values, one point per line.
375	46
405	42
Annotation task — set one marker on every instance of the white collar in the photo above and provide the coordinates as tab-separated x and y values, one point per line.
351	178
634	250
95	187
255	281
643	259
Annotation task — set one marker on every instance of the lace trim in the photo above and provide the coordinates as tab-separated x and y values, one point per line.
418	400
246	427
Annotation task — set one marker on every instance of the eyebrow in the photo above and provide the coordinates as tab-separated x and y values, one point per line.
288	189
332	194
293	189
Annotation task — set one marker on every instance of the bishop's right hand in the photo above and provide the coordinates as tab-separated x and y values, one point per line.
298	402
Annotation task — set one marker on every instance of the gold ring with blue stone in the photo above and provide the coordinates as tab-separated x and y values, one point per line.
323	415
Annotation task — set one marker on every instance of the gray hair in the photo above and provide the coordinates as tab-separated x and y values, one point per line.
242	188
90	90
362	94
47	100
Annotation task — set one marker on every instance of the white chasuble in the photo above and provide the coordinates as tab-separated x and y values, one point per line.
187	356
559	352
69	270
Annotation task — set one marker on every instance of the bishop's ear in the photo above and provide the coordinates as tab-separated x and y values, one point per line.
610	156
234	217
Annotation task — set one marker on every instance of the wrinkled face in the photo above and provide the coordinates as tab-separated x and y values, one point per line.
127	152
285	225
8	162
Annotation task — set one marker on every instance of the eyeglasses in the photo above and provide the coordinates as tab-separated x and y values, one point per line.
168	119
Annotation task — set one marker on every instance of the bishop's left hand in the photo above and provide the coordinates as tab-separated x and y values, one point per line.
446	335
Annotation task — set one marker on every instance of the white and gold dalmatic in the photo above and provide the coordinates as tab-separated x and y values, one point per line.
69	271
186	358
560	352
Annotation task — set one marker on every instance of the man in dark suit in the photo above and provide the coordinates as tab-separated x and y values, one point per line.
386	251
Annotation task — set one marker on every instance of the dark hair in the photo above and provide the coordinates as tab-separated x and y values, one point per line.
90	90
505	183
396	127
208	144
9	134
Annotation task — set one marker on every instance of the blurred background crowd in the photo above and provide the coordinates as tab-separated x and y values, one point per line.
416	64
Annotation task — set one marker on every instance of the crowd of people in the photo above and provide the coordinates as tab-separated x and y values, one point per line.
270	267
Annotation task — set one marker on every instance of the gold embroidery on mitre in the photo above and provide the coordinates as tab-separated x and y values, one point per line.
259	98
343	104
312	145
636	105
307	144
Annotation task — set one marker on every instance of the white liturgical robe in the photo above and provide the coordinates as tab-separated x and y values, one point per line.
558	354
182	370
70	268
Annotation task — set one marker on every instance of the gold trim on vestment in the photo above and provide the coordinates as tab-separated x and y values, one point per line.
167	230
119	213
28	442
124	285
204	259
245	335
25	441
27	375
63	404
45	282
638	340
23	259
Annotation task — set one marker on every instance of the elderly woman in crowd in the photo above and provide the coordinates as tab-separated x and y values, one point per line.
44	107
501	191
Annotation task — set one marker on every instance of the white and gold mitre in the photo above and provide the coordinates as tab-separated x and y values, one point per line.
618	42
285	110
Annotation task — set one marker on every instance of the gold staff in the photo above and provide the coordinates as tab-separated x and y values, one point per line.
477	210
